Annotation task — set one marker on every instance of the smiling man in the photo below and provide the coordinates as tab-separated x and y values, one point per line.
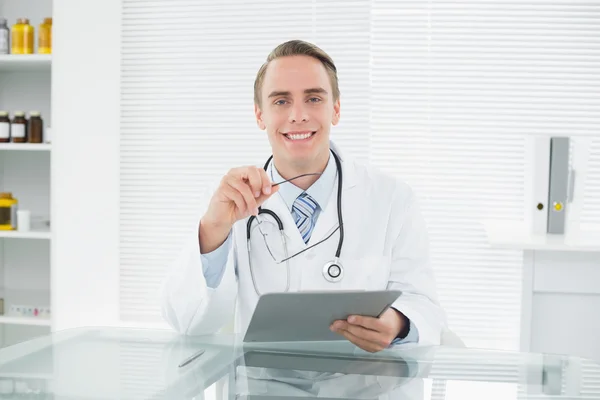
229	262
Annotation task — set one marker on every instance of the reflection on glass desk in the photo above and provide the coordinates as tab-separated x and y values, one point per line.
111	363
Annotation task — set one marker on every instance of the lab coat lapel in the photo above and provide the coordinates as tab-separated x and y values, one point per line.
328	218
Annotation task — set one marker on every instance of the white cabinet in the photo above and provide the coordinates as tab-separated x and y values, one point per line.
25	85
560	293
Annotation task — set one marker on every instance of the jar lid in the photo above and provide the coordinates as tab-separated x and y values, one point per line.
23	21
3	113
19	114
48	20
6	195
34	113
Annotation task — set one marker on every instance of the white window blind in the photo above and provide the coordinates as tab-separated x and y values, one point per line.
590	214
590	385
458	86
440	93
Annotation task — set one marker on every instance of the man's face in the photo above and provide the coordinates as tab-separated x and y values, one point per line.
297	110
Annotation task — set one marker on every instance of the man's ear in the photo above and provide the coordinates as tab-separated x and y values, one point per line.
259	120
336	112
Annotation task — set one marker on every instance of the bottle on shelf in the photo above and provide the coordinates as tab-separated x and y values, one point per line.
35	129
4	37
45	37
23	220
8	211
22	37
4	127
18	128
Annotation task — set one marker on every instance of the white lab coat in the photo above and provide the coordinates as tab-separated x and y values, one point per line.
385	246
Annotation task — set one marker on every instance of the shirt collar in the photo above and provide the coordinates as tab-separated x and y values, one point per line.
320	191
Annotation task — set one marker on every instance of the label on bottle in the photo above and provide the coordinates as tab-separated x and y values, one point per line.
5	215
4	130
18	130
4	41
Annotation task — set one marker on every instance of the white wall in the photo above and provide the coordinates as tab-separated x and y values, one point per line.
85	113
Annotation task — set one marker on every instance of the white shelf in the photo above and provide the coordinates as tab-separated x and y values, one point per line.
36	234
25	147
517	235
25	62
25	298
32	321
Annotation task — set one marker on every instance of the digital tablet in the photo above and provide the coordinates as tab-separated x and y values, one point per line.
307	316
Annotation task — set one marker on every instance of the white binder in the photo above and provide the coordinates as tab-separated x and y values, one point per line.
559	185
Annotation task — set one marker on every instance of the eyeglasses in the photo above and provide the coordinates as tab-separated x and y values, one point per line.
296	177
276	243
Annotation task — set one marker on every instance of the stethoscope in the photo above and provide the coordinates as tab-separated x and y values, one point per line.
333	270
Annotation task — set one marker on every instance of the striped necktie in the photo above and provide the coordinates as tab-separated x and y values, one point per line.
303	210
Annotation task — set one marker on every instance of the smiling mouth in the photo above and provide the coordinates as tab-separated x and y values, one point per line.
299	135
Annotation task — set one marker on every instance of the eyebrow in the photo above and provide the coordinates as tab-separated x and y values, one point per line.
317	90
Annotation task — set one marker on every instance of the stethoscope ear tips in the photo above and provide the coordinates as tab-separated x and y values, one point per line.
333	271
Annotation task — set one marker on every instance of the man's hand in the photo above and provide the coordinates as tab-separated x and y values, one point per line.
238	196
372	334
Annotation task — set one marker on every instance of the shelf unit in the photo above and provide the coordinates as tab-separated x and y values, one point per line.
32	321
25	85
25	147
25	62
33	234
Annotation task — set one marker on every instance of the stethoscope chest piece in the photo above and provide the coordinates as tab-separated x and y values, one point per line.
333	271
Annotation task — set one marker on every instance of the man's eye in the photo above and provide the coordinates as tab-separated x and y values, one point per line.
314	99
280	102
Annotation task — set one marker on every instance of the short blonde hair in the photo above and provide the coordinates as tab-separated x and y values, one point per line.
297	48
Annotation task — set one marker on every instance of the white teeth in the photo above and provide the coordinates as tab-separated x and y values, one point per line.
299	136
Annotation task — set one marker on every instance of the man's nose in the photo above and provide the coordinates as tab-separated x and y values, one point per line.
298	114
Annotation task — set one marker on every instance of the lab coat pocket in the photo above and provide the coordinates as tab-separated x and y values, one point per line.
366	273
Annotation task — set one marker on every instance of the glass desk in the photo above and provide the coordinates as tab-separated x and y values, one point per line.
111	363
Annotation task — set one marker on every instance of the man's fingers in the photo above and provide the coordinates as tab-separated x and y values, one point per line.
267	190
255	179
367	322
266	183
235	196
245	191
362	343
264	197
378	338
375	337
